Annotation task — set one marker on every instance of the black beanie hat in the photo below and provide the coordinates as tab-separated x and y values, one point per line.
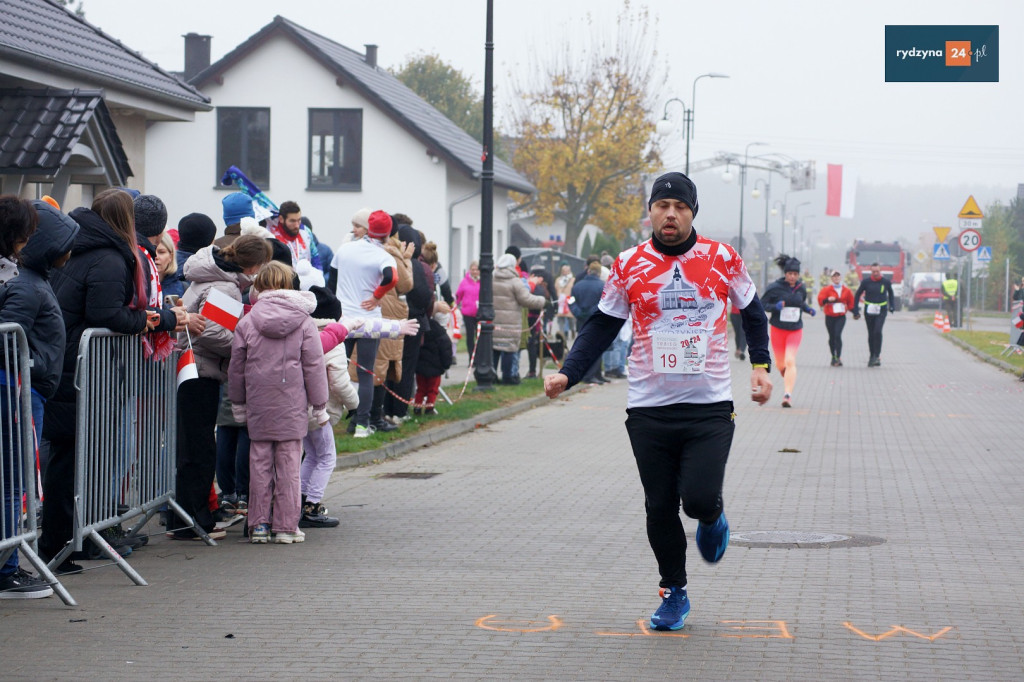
150	215
195	231
674	186
281	253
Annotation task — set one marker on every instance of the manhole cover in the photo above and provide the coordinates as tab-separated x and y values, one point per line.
800	539
410	474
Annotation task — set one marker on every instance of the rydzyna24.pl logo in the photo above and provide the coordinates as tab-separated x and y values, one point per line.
935	54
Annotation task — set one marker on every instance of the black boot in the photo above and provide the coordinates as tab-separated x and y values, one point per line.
314	515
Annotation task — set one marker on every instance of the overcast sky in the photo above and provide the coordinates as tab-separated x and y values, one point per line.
806	76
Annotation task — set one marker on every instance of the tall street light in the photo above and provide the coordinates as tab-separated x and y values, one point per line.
484	365
664	126
775	211
756	193
693	105
796	223
743	185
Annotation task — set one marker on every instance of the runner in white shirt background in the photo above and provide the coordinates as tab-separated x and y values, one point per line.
363	272
677	286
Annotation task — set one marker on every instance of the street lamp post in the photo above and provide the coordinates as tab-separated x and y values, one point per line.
743	183
775	211
756	193
693	105
664	127
796	223
484	366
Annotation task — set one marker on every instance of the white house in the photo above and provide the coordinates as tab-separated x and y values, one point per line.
75	103
312	121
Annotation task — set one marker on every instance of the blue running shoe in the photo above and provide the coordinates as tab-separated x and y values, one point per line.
712	540
675	607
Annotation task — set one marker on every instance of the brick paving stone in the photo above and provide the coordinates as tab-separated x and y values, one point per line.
534	527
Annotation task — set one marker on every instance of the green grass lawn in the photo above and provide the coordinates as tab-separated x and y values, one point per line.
990	343
471	403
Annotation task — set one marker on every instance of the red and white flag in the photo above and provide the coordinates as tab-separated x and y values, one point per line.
187	367
222	309
842	190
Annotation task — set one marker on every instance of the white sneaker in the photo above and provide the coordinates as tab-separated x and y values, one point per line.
363	432
284	538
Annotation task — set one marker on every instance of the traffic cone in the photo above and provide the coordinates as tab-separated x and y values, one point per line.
945	324
938	321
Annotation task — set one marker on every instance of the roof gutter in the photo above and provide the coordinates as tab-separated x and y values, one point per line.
451	219
200	104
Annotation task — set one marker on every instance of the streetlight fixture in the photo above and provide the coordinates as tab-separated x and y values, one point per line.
664	126
796	222
486	377
756	193
693	106
743	183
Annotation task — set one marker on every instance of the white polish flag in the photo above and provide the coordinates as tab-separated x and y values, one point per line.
222	309
842	190
187	367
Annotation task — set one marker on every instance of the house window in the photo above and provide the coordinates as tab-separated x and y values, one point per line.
243	140
335	149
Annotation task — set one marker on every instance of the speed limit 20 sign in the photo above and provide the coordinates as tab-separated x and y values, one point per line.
969	240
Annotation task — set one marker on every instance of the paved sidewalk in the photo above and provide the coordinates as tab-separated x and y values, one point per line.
525	557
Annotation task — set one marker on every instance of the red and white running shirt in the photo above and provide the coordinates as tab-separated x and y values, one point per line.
679	307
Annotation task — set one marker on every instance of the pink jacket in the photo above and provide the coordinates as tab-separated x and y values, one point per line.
277	366
468	295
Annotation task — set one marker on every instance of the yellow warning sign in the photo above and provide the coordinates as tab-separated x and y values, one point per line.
941	233
970	209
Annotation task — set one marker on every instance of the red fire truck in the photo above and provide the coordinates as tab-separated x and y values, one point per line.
892	258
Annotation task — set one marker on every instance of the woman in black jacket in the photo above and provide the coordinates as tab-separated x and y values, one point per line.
97	288
785	299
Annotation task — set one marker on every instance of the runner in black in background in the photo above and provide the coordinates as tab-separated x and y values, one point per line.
878	300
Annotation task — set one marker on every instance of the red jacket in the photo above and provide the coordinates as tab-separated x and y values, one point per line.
836	308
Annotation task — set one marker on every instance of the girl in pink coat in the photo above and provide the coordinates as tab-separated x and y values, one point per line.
277	371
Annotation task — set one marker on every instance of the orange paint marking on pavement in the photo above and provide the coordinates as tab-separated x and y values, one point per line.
895	630
553	624
778	626
644	632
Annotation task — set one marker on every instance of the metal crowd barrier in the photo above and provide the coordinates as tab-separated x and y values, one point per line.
18	529
125	441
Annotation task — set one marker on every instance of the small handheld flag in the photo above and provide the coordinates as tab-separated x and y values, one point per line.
187	367
222	309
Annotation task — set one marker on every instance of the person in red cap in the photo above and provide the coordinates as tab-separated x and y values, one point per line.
365	272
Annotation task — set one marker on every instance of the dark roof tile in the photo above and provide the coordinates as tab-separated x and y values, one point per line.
41	32
40	128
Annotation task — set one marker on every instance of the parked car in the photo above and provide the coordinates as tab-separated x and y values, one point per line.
925	290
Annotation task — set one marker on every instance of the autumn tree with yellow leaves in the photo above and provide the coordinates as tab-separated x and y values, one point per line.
583	129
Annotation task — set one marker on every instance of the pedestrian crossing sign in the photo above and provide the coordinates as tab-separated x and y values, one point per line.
940	252
984	253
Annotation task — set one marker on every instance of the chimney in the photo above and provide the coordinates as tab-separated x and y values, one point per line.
371	55
197	54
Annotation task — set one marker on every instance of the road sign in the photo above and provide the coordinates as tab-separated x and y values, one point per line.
985	253
970	223
941	233
971	209
920	256
940	252
969	240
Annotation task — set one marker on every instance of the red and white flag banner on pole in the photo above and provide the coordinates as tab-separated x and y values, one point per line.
186	367
842	190
222	309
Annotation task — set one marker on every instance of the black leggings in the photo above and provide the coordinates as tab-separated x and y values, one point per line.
835	325
875	324
680	452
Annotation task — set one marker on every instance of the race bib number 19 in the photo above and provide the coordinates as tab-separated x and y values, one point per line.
680	353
